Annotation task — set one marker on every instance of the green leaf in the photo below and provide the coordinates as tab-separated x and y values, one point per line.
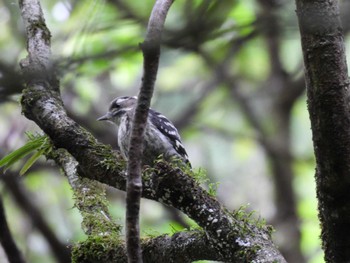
34	144
31	161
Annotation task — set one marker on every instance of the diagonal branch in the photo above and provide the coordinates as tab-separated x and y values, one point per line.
89	198
14	255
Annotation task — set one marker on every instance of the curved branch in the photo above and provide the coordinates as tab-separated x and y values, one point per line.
151	53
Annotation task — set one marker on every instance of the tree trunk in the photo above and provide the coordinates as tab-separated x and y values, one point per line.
328	103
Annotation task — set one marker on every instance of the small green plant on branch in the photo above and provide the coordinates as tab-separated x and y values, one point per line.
37	145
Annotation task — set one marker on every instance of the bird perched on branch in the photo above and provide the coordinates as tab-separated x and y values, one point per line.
161	138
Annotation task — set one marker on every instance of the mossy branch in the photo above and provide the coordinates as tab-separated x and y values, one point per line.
90	198
160	249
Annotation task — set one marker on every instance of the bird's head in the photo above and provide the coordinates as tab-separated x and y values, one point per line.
118	107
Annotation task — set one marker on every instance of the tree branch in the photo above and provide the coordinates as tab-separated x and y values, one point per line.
161	249
89	198
11	81
38	64
151	53
14	255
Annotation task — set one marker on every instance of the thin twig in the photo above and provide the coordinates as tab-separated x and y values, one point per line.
151	52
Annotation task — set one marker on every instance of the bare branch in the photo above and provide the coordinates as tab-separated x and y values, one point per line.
151	53
14	255
38	64
11	81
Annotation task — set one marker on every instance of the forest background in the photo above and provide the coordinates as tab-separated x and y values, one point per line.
231	79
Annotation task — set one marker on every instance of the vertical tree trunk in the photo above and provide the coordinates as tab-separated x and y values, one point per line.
328	102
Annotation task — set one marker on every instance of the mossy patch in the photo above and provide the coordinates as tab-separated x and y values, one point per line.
99	248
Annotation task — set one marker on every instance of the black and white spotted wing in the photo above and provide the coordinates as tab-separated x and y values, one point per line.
169	130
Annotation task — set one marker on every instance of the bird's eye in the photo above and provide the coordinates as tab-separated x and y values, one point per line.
115	106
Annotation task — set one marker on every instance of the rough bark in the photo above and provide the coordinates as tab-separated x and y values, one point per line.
159	249
328	103
89	197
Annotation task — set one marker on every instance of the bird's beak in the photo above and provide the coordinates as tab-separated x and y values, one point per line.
105	117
